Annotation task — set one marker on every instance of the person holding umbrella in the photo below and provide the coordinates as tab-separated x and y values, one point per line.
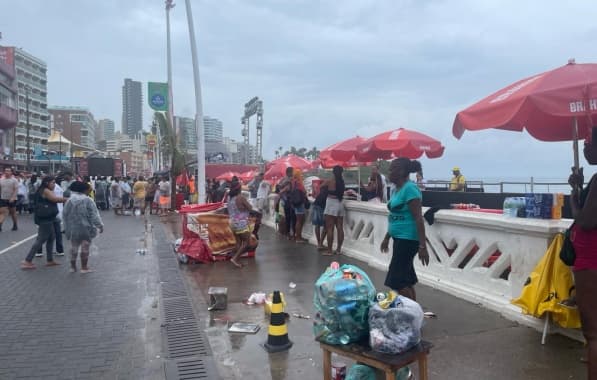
406	227
583	202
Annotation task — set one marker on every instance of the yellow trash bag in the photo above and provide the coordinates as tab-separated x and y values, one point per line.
550	283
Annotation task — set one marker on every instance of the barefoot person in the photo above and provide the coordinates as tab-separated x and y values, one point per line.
81	222
406	228
238	210
46	210
334	210
583	202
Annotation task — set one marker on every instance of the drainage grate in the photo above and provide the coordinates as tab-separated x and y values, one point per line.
173	289
185	339
177	309
170	274
191	369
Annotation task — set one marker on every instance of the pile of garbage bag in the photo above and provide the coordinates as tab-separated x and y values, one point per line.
395	323
341	300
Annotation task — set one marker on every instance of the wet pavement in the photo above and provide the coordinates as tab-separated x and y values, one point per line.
61	325
470	341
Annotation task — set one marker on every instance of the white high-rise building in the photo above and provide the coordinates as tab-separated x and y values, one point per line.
31	78
132	107
105	129
188	133
214	130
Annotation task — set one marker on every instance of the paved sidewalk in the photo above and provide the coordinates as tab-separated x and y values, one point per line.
471	343
102	325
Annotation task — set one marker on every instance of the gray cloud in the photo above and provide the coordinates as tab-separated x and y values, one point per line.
325	70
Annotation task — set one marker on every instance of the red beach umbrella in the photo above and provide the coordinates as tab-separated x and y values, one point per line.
248	175
399	143
343	151
557	105
227	176
295	161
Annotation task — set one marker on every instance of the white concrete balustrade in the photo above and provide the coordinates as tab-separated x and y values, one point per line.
481	257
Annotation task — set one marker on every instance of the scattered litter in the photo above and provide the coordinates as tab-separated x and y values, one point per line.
301	316
218	298
244	327
292	285
157	356
141	251
177	244
429	314
256	298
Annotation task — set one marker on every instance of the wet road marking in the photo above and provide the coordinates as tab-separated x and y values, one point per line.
16	244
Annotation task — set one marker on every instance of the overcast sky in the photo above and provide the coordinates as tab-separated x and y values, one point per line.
325	70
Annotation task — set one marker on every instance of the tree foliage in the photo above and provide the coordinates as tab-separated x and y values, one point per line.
310	154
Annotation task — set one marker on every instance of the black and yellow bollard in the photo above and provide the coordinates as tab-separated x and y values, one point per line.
277	335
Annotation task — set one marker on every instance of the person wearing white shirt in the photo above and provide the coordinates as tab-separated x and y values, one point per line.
126	193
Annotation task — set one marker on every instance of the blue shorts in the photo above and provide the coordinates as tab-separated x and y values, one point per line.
317	216
300	210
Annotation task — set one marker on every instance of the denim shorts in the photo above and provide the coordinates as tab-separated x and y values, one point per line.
317	216
300	210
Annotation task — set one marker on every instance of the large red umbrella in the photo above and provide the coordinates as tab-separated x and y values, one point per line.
227	176
292	160
556	105
277	170
399	143
248	175
343	151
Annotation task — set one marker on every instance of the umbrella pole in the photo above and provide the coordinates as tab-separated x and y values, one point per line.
545	327
575	143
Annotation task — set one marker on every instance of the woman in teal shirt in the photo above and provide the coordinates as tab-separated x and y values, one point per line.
405	227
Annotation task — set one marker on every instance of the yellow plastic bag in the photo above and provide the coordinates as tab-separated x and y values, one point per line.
550	283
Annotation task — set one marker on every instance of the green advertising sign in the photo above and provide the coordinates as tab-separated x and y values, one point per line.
157	95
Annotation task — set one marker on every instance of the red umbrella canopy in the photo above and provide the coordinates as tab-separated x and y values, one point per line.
343	151
247	176
547	105
277	170
227	176
399	143
292	160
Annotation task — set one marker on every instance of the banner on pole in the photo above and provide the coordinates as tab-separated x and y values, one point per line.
157	95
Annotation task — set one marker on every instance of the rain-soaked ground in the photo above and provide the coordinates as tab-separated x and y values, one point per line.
470	341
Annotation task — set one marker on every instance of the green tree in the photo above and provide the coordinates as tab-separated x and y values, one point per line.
170	150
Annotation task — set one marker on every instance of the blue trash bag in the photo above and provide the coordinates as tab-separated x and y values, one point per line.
360	372
341	300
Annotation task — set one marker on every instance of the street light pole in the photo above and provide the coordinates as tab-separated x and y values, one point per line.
27	89
198	110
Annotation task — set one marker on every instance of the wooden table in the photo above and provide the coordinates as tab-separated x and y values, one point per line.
388	363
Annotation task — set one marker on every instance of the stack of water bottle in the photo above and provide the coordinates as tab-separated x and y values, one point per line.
535	205
341	300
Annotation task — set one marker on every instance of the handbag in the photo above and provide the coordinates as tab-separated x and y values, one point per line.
567	252
44	209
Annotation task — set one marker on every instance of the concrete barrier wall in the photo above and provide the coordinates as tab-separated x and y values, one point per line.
483	258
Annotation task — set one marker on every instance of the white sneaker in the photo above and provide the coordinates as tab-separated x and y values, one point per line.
39	255
59	254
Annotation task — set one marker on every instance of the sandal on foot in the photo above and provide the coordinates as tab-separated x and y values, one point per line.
301	241
238	265
321	248
83	271
336	252
52	264
27	265
327	254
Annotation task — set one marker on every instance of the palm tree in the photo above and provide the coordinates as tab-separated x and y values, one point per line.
170	150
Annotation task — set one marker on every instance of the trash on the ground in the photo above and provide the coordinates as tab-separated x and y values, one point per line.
256	298
430	314
177	244
338	371
184	259
141	251
218	298
244	327
292	285
301	316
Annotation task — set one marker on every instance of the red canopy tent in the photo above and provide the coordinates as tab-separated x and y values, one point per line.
227	176
399	143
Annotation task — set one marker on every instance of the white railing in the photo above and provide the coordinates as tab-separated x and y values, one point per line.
480	257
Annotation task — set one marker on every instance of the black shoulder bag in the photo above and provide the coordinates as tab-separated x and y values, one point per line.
44	209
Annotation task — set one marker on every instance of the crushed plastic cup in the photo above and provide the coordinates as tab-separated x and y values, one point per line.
292	285
256	298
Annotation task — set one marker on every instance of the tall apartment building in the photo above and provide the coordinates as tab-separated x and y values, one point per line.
132	107
8	100
77	124
188	134
124	143
105	130
32	84
214	130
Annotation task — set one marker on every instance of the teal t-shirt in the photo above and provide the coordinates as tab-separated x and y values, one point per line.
401	223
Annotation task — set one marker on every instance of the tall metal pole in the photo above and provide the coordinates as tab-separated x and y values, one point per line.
169	5
198	110
27	89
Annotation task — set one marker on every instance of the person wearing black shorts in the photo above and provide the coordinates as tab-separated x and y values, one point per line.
8	197
406	228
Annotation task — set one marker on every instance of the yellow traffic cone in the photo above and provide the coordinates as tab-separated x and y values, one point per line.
277	334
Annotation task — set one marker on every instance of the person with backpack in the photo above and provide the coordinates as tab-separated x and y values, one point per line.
46	210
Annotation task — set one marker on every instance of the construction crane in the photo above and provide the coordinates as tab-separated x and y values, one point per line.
253	107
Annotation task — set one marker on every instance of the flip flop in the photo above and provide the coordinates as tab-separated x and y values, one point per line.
83	271
52	264
26	266
327	254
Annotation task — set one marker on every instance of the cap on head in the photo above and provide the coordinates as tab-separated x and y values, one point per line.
455	169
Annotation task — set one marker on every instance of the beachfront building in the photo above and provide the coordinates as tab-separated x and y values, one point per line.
132	107
8	100
76	124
